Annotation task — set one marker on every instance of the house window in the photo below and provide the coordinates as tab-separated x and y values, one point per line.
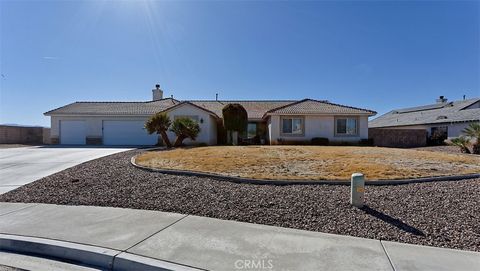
346	126
192	117
293	126
252	129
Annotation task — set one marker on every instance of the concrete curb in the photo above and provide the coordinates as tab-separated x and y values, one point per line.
127	261
77	253
105	258
300	182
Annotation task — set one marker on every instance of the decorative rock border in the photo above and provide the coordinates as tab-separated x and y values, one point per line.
300	182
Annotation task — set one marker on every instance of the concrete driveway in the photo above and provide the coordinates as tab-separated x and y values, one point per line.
20	166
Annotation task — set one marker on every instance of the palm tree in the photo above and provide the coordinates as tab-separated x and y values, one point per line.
461	142
473	132
185	128
159	123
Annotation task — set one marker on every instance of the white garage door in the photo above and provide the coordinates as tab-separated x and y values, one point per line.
73	132
127	132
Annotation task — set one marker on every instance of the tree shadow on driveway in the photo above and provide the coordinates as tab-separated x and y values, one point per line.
392	221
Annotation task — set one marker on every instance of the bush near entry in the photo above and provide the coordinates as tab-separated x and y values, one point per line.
320	141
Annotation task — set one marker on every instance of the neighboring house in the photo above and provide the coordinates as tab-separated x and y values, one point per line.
122	123
446	119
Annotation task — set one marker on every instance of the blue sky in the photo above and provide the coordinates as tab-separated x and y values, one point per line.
374	54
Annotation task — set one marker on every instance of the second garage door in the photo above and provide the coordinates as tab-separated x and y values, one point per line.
127	132
72	132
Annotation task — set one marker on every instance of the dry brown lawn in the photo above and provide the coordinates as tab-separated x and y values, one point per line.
312	162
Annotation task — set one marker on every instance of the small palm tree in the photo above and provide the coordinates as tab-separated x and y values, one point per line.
159	123
461	142
473	132
185	128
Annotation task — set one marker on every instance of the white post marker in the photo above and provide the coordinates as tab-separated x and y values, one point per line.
358	190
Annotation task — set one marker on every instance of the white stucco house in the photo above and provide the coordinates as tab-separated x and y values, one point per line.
445	118
122	123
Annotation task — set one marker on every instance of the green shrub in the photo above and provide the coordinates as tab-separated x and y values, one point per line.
437	137
473	132
462	142
320	141
282	141
366	142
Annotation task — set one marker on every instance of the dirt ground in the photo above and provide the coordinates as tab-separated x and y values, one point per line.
312	162
444	148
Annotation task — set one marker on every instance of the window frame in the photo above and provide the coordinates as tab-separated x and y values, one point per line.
357	128
301	118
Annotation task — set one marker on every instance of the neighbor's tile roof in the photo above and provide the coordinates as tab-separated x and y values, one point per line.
309	106
114	108
456	111
255	109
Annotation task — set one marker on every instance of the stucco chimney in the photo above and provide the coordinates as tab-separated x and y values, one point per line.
157	93
441	99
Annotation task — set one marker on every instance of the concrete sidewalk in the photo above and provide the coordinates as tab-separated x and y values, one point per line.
151	240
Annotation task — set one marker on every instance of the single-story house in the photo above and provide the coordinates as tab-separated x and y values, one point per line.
122	123
446	119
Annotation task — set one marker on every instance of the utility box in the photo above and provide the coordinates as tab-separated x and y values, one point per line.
357	190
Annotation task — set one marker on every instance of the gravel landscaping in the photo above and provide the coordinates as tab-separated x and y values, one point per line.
442	214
